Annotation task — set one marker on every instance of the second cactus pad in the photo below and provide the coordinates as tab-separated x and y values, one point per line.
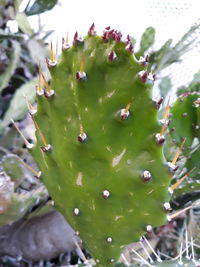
97	147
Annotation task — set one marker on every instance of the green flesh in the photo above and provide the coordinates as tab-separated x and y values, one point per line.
115	153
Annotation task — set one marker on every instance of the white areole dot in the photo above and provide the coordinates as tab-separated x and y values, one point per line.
149	228
106	193
146	174
76	211
167	206
109	239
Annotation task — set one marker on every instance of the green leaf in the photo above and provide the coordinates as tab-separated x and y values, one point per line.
196	78
18	204
17	4
165	86
183	119
23	23
10	36
192	183
40	6
12	166
157	59
37	50
18	107
14	59
194	86
194	162
167	55
147	40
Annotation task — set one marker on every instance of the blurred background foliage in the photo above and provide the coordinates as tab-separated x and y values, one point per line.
20	53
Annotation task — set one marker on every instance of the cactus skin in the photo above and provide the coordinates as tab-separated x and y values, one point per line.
116	152
185	123
184	119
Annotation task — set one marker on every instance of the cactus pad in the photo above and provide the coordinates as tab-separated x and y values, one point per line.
184	119
185	123
96	147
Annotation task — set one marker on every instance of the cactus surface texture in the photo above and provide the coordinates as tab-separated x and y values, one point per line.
185	115
99	144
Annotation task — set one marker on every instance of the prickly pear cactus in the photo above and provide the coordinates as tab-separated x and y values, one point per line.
99	145
185	124
184	119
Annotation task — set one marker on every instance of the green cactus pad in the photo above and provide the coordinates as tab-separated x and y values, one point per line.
185	124
109	180
184	119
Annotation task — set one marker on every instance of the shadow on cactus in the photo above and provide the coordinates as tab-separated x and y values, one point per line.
99	144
